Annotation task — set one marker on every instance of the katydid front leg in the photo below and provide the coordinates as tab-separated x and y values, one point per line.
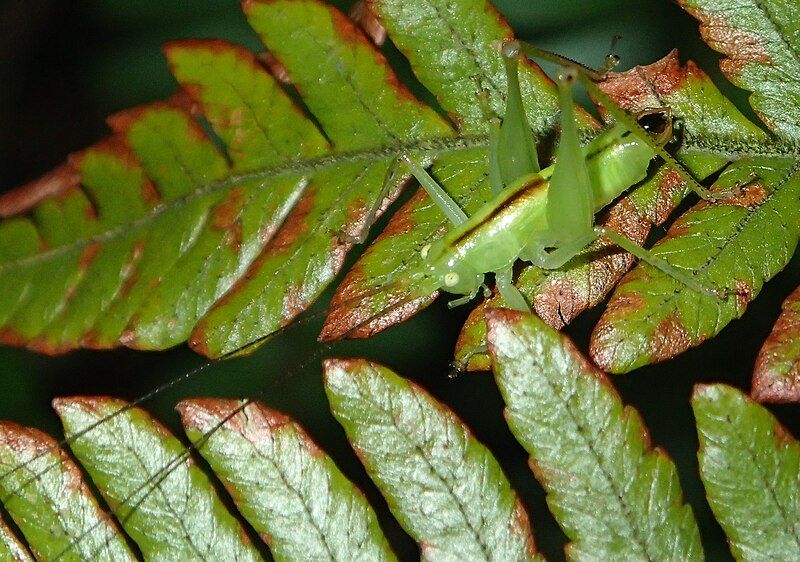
450	208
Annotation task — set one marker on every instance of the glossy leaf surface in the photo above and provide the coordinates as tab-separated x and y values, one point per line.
750	467
442	485
614	496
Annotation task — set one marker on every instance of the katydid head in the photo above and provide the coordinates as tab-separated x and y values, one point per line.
459	278
451	274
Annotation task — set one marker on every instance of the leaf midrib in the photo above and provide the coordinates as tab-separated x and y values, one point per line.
446	144
441	145
618	493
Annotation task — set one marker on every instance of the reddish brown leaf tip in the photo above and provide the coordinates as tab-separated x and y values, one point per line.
768	389
496	318
93	404
53	184
235	413
275	67
363	14
23	439
742	47
344	364
776	376
642	87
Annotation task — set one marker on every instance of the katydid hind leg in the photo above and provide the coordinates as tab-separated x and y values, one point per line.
631	123
570	199
588	77
495	174
516	147
649	257
564	252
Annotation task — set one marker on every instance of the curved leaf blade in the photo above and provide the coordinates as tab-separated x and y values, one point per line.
44	492
159	253
442	485
737	244
360	104
153	237
615	496
761	40
11	548
289	490
776	376
454	50
165	503
750	467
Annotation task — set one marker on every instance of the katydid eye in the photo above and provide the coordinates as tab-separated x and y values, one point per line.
451	279
424	251
655	123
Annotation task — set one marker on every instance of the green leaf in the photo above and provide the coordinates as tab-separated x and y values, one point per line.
11	548
453	50
360	105
736	244
750	466
761	39
560	295
776	377
163	233
442	485
387	284
615	497
164	502
288	489
45	494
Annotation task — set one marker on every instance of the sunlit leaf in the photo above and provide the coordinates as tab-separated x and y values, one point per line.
615	496
11	548
442	485
45	494
286	487
163	501
750	466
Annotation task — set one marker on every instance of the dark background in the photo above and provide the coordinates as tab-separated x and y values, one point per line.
64	66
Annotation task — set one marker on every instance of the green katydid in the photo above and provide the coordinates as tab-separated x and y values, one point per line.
546	216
